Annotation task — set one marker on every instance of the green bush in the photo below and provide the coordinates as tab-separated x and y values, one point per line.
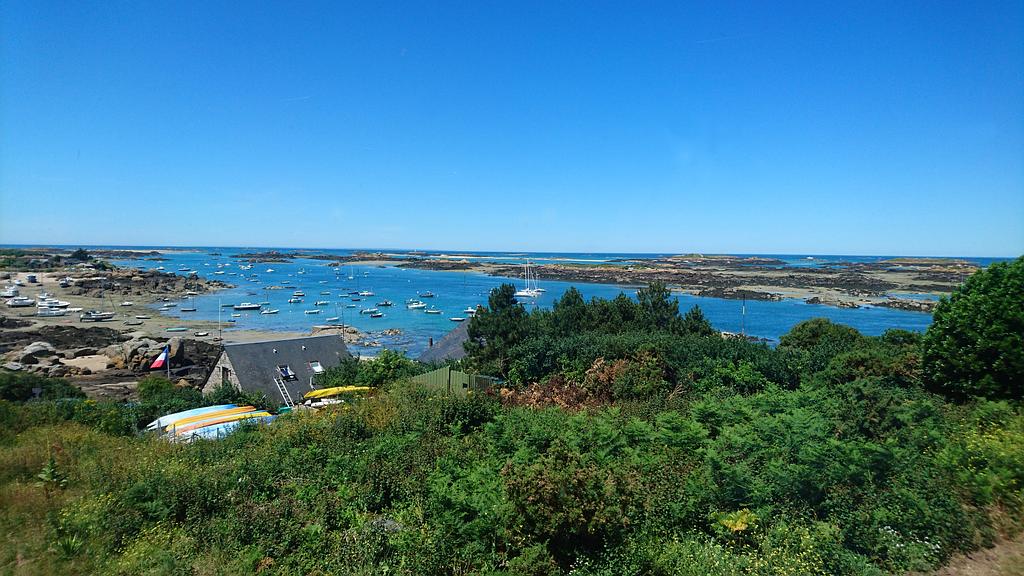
692	455
18	387
975	345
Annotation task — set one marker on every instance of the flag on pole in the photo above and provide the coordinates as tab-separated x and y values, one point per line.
161	359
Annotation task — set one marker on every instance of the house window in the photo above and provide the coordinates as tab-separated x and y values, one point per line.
316	367
225	375
286	372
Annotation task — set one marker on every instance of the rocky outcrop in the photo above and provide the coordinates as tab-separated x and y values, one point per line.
189	359
910	305
34	353
132	282
438	264
739	294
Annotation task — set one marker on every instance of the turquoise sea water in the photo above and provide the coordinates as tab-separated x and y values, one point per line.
455	291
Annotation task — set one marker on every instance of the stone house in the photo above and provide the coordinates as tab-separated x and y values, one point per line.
283	370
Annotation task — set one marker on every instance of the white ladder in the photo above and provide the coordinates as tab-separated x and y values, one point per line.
284	392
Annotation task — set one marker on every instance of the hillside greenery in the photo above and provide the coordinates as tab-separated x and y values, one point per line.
631	439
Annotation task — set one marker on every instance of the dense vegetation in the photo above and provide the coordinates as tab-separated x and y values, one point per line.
976	347
631	441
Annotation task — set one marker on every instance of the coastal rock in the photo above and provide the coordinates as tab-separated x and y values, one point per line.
79	352
112	351
739	294
13	366
906	304
133	348
57	371
176	349
814	300
32	353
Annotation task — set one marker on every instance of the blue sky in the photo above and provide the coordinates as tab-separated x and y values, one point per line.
854	128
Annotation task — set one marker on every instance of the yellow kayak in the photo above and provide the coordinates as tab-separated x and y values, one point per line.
325	392
208	415
231	418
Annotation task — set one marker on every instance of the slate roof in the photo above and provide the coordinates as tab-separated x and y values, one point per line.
256	363
449	347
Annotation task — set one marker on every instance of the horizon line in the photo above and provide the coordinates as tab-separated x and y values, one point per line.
364	249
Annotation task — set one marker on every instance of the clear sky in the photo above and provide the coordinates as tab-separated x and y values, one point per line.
842	128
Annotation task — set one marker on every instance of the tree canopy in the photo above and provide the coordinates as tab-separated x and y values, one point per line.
975	345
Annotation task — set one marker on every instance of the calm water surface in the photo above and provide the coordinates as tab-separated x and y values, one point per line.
455	291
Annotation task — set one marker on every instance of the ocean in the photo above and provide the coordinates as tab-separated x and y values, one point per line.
455	291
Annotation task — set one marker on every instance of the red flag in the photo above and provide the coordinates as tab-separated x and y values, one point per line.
159	362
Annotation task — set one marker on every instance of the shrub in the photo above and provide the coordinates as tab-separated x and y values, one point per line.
975	345
18	387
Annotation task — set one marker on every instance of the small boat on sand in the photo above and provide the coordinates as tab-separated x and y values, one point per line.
201	334
142	317
96	316
177	329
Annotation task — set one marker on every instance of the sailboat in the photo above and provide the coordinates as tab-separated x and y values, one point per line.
528	291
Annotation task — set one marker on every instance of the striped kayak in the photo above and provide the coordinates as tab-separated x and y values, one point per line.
169	419
209	416
219	420
219	431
